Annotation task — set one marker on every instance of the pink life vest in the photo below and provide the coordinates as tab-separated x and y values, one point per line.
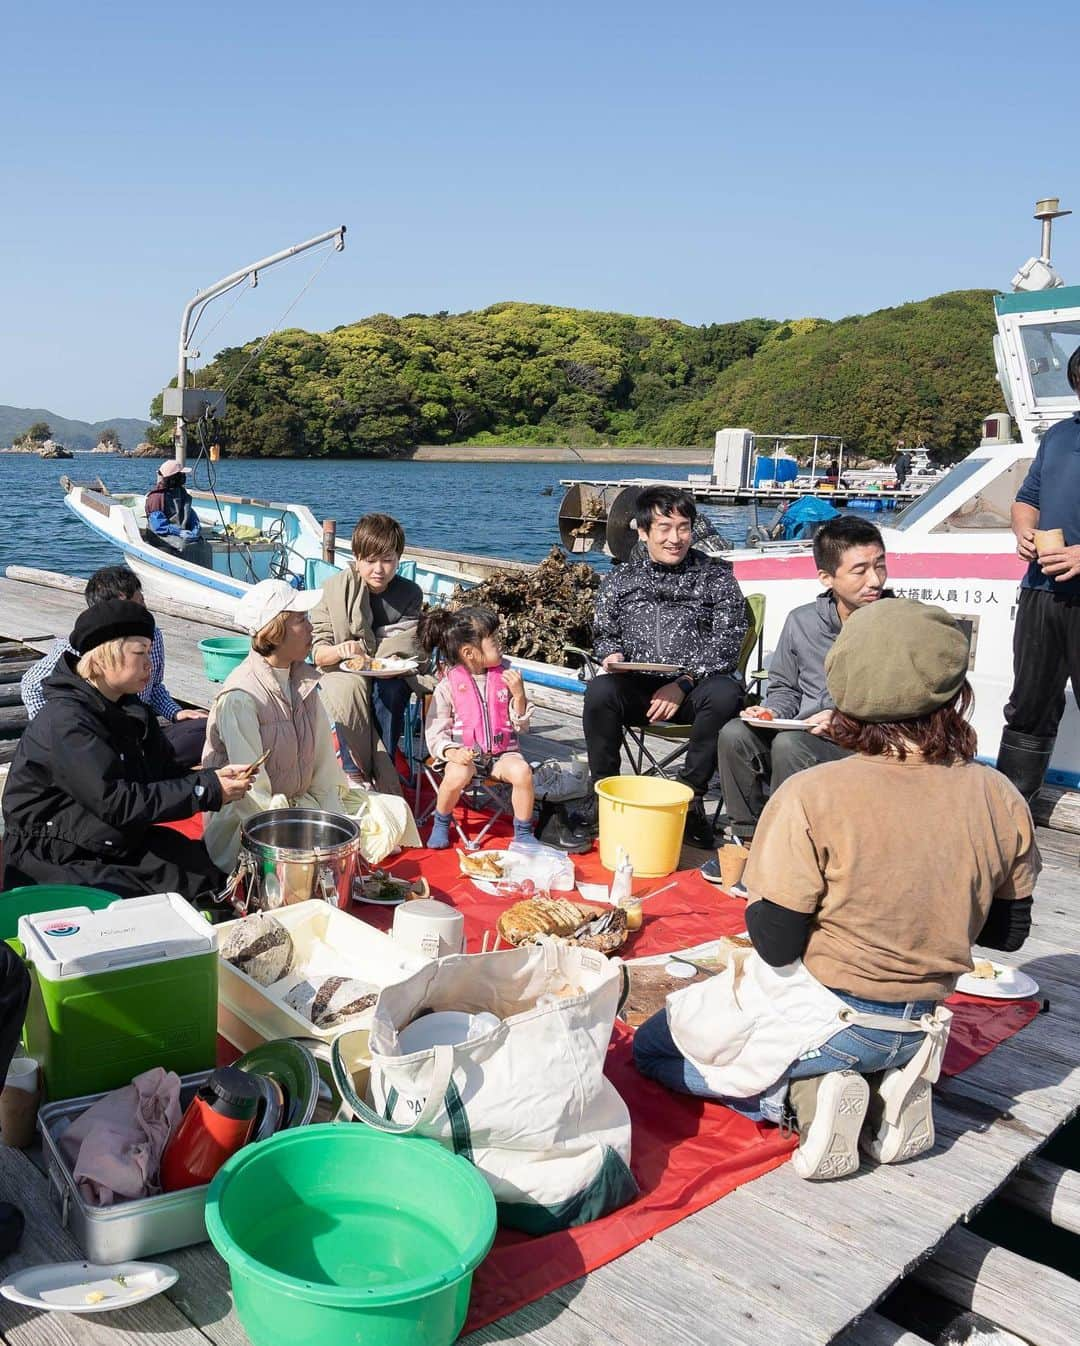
485	724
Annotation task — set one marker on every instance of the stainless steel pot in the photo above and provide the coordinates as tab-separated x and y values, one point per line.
297	854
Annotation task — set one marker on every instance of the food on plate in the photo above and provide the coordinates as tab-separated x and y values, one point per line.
260	947
382	887
329	1001
985	970
481	864
764	713
359	663
588	927
95	1297
605	932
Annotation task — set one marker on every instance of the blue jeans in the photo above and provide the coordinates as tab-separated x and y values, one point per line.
389	697
864	1050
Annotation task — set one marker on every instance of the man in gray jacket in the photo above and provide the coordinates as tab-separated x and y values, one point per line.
850	557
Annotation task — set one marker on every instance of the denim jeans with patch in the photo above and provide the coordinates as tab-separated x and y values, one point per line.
864	1050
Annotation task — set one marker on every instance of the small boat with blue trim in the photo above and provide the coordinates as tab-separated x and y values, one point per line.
952	546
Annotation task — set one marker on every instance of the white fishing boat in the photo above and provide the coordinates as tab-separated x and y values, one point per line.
953	546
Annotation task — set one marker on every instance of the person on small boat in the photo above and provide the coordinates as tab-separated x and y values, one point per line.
850	558
369	611
185	729
860	926
901	465
1046	638
269	707
171	519
668	604
93	773
476	712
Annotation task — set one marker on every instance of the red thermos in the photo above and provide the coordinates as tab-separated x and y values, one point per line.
218	1122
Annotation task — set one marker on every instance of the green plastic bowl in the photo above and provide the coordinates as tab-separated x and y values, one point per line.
16	902
221	654
346	1236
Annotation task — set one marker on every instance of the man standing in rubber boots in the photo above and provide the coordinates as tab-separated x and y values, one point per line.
1046	639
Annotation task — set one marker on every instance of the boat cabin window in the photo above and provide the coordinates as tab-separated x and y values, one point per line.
918	509
1047	347
989	508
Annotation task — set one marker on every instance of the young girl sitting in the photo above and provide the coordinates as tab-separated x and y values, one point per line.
476	711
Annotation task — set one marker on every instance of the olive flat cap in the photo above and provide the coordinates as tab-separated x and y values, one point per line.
896	660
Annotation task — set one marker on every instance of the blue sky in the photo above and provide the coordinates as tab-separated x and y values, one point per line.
704	161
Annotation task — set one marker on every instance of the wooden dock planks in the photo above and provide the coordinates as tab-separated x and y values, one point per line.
778	1260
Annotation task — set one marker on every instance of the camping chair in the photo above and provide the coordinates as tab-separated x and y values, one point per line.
424	769
672	740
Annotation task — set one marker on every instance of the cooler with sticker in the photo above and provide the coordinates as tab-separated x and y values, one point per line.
117	991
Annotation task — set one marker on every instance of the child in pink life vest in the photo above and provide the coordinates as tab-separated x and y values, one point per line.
476	711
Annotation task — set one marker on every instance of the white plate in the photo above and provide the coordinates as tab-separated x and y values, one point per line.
444	1028
1009	984
485	885
758	723
390	670
64	1286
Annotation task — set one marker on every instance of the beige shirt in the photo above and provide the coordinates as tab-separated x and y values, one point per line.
898	862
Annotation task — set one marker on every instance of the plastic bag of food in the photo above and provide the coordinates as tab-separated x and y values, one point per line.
549	869
329	1001
259	946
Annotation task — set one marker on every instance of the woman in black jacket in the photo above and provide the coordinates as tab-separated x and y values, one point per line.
94	773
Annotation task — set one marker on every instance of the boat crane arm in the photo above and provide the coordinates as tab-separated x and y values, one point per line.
212	292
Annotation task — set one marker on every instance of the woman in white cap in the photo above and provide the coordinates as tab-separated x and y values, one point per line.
270	706
861	926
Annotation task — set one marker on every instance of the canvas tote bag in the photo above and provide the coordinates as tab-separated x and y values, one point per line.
527	1100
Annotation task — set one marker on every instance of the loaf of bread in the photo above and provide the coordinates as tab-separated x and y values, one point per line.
541	916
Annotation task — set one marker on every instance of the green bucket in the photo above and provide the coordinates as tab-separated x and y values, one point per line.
221	654
346	1236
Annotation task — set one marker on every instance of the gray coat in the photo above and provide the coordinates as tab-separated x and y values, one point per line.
797	668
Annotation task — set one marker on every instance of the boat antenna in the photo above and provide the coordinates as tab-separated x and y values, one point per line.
1037	273
188	404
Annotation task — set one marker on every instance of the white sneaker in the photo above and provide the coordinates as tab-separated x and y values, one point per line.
913	1131
829	1141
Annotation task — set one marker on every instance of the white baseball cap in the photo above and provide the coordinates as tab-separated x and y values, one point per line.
267	599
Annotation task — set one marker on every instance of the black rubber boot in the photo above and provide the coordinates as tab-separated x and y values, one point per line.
1024	759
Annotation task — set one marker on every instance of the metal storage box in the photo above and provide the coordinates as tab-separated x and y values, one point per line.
132	1229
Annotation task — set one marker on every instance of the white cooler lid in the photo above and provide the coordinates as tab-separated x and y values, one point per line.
77	942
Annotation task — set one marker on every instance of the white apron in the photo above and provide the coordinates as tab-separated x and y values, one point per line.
744	1027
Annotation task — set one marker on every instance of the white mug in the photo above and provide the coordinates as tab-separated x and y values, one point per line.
433	929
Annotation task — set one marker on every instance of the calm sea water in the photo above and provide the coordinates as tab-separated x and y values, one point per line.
495	509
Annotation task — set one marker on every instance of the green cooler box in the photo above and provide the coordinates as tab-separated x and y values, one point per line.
117	991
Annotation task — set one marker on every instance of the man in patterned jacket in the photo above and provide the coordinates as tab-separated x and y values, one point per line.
668	604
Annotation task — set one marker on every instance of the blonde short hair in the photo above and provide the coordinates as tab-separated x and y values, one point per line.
102	659
266	640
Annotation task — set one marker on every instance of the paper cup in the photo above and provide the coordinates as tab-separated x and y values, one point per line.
23	1074
732	858
1048	539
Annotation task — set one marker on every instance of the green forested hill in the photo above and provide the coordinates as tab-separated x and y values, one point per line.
529	373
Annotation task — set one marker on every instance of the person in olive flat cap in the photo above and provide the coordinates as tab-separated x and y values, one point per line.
878	871
93	773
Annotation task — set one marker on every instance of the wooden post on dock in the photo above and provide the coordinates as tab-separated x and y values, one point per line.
329	540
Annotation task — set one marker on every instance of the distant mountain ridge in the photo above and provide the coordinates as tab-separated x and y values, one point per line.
73	434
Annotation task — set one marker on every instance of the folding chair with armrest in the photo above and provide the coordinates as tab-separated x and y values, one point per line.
635	738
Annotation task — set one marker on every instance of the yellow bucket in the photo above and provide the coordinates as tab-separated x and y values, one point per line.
644	816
